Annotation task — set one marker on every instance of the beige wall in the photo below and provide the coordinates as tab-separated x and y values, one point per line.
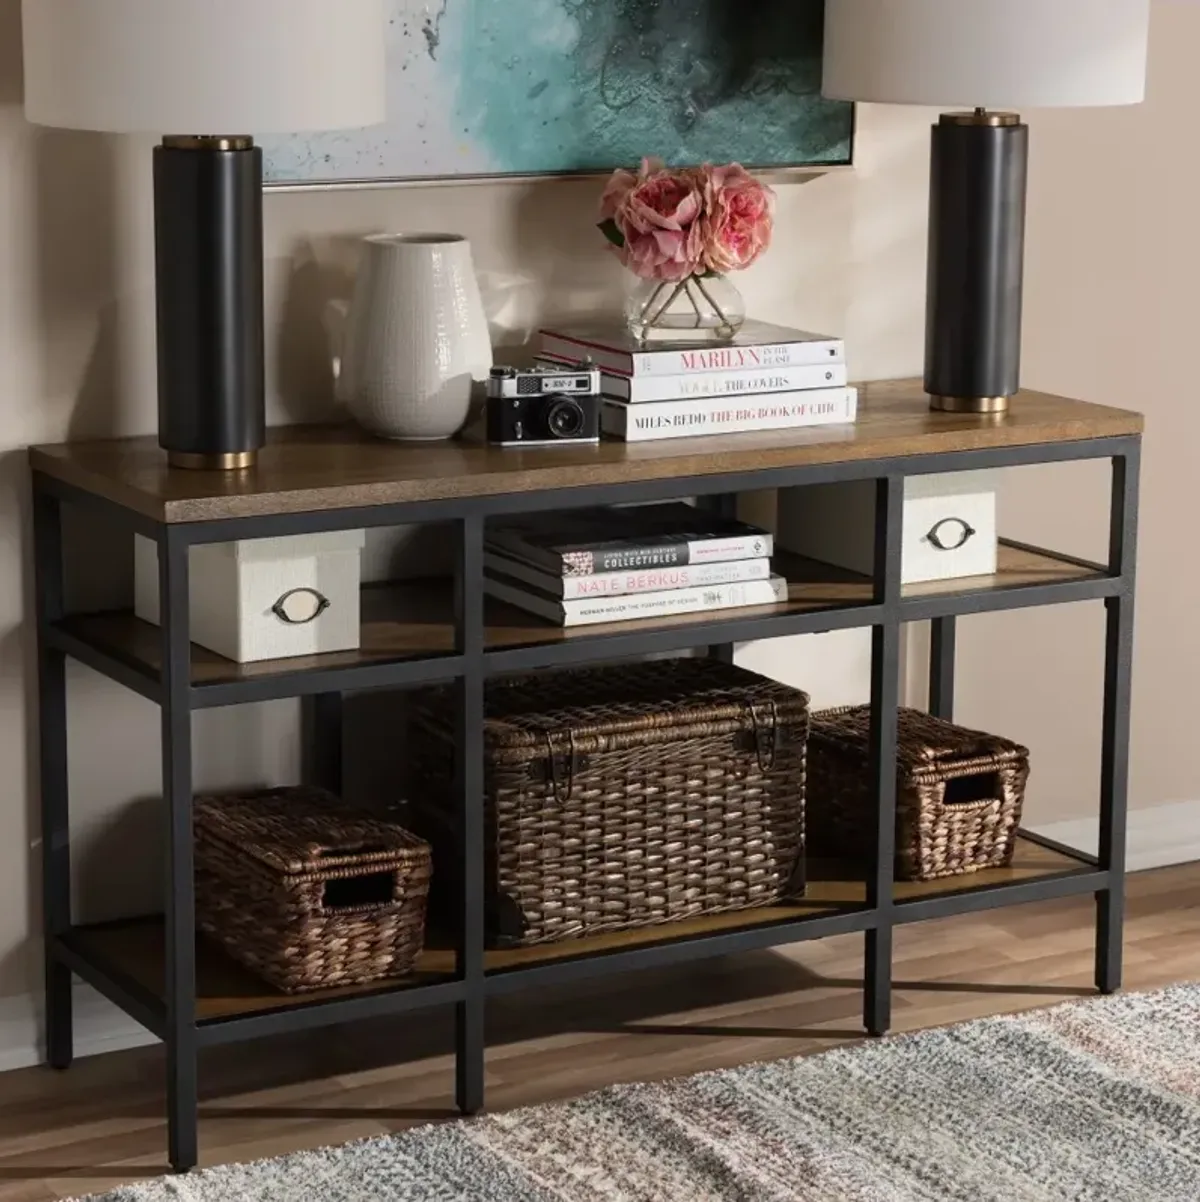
1111	267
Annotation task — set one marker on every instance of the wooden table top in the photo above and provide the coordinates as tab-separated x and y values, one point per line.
307	468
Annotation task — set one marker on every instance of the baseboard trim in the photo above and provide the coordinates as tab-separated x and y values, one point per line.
1158	837
99	1027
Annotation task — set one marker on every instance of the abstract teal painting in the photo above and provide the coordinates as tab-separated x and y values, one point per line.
532	87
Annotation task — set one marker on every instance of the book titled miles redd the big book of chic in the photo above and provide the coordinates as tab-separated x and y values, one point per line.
729	415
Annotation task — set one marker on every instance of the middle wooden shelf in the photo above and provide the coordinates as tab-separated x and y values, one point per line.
408	629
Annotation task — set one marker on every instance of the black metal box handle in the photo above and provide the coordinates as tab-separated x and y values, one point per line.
966	533
321	604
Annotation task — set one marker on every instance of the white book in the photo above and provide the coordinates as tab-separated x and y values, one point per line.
591	611
757	345
641	389
728	415
636	580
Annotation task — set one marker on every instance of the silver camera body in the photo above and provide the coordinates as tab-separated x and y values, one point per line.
543	406
542	380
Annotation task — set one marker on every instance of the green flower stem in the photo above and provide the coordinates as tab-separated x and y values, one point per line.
653	321
708	296
653	297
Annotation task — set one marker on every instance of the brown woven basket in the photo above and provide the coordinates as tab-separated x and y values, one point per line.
624	797
307	893
958	797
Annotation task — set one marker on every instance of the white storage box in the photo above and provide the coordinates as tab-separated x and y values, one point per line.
265	598
949	525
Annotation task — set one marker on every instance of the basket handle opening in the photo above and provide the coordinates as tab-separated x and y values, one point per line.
359	892
350	849
977	789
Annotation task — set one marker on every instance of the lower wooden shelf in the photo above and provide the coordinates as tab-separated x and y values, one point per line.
225	990
832	888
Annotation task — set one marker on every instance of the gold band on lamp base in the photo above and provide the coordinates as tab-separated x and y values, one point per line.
981	117
229	461
969	404
209	142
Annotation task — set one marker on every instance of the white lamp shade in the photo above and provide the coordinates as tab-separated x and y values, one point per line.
987	53
204	66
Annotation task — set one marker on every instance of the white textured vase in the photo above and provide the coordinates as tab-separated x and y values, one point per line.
414	348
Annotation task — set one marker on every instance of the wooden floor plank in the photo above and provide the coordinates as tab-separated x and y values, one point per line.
99	1125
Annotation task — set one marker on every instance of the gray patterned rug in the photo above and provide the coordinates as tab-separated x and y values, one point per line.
1095	1101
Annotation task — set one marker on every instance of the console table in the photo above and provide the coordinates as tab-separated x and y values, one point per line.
333	478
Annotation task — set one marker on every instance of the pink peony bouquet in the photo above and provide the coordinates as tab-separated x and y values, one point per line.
671	223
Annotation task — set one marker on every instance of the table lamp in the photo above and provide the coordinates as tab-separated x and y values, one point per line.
982	53
202	71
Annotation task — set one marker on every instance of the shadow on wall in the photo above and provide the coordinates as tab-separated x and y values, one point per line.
576	273
12	81
75	285
104	887
100	561
17	647
320	270
18	669
78	281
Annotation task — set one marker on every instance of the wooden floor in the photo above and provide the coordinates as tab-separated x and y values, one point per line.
99	1125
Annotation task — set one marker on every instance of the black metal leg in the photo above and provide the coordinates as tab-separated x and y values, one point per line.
885	686
323	741
1114	754
724	505
877	988
941	667
55	805
469	1014
885	698
180	885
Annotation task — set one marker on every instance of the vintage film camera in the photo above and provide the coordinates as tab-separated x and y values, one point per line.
543	406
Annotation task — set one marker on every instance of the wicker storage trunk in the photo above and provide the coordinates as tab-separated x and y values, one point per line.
308	893
625	797
958	797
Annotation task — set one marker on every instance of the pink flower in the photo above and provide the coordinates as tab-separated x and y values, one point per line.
737	218
656	214
668	224
616	191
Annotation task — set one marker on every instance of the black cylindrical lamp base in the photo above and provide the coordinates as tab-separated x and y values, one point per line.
976	259
209	269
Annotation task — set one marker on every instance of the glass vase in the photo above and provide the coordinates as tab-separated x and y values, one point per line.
698	308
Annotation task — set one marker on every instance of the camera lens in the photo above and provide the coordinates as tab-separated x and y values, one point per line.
565	419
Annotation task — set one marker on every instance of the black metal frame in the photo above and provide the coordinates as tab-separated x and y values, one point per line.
172	1017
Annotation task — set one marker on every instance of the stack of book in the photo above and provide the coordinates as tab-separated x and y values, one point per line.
620	564
768	378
